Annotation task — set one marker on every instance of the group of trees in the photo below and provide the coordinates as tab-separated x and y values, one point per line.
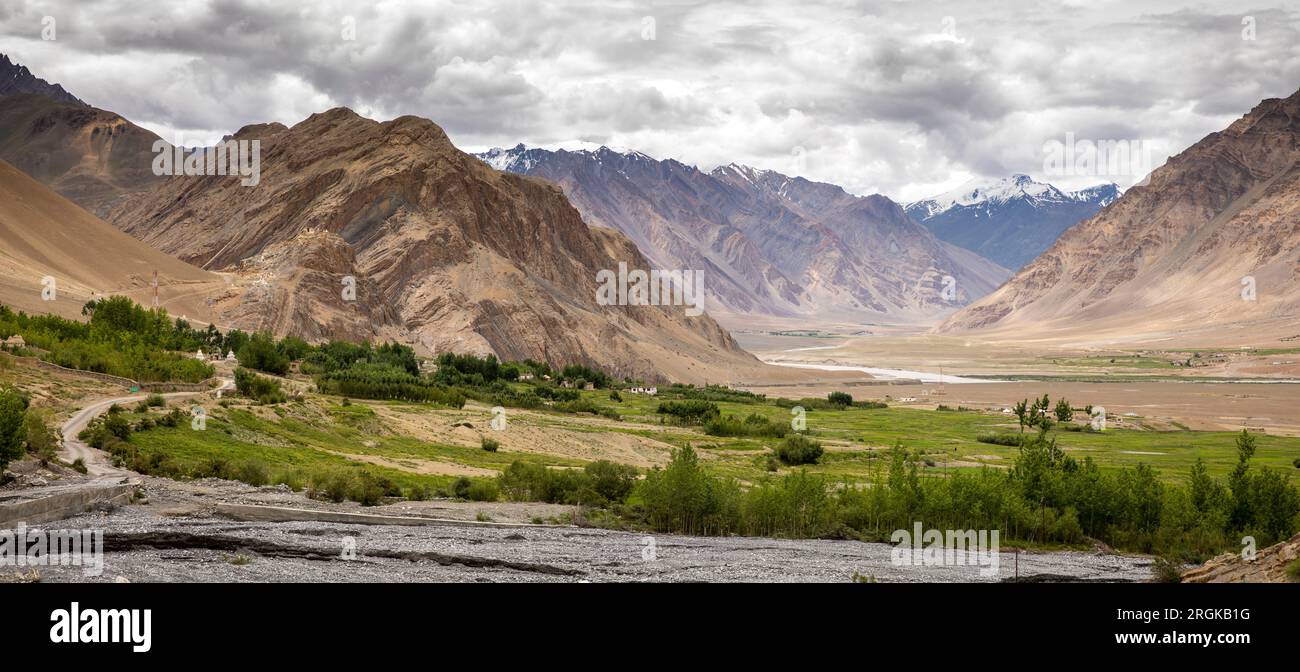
24	429
1034	413
1046	497
264	390
600	483
685	411
120	338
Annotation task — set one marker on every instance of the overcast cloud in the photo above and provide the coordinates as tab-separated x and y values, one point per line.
901	98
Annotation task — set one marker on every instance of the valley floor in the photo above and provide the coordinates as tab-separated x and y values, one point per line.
1221	390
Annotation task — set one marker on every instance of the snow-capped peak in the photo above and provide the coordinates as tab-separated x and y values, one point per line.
1101	194
747	173
521	158
997	191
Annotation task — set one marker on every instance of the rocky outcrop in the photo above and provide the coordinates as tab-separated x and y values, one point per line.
1269	566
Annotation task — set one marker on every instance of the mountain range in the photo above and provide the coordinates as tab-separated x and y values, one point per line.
771	245
501	252
444	252
1011	220
1208	250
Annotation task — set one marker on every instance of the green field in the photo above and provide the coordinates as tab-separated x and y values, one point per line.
317	432
950	436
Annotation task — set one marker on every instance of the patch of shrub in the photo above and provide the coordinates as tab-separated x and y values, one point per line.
694	411
490	445
264	390
586	406
1164	570
798	449
1000	439
752	425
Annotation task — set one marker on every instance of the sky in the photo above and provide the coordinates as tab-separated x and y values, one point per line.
907	99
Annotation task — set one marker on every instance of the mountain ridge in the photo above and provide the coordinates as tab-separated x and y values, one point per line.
779	246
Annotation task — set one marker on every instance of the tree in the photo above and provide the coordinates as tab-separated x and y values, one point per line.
42	440
1064	412
13	429
840	398
1239	480
261	353
1022	413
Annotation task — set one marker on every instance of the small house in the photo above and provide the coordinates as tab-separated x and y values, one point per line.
16	341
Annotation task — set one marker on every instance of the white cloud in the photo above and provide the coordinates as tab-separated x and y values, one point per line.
895	97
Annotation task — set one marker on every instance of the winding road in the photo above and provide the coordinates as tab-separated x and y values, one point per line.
97	463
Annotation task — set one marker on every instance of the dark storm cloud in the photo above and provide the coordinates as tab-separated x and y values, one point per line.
897	97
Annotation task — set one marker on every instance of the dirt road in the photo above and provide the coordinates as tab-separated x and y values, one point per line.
96	461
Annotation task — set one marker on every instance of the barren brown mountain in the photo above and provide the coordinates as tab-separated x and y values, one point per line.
446	253
92	157
1178	258
43	235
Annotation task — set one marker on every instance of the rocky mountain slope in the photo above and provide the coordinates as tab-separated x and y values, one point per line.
92	157
771	245
445	252
1010	221
1209	251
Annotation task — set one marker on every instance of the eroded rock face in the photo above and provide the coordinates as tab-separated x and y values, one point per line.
301	287
1172	257
1269	566
447	253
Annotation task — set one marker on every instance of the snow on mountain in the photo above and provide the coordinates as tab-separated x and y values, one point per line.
1010	220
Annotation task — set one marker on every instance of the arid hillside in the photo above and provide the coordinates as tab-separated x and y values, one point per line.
46	236
93	157
444	252
1208	251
